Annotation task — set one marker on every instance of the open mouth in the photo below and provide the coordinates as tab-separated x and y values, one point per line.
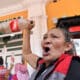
46	49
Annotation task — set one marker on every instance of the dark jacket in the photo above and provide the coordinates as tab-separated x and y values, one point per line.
65	68
73	72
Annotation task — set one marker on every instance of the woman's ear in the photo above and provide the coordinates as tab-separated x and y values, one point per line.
68	46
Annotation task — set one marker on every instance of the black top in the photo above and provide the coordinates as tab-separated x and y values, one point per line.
43	67
74	70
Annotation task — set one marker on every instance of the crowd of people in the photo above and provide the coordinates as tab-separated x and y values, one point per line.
4	72
20	71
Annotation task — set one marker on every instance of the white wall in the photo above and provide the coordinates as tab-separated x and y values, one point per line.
77	45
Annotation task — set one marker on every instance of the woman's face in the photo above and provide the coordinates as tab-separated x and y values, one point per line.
53	44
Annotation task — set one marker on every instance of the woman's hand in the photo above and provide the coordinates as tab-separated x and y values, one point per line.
30	25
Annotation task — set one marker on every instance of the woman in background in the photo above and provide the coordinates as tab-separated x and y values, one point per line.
21	72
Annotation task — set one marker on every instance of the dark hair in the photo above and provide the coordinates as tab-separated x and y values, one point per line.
1	60
68	38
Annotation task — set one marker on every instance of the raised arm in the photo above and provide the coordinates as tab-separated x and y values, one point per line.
27	53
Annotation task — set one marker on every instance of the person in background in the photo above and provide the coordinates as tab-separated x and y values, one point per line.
4	73
58	61
21	72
